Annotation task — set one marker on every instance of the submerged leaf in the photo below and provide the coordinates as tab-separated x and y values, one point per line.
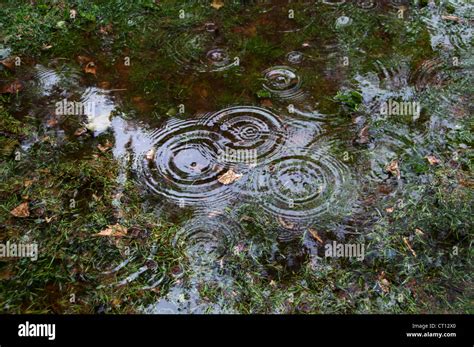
229	177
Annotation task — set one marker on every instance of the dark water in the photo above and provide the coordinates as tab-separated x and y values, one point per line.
296	153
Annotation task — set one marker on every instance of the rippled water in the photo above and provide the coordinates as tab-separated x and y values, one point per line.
270	121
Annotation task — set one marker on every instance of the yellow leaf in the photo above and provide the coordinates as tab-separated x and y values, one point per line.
217	4
405	239
113	230
229	177
315	235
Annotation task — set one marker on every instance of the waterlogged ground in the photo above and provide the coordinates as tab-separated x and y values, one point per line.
206	157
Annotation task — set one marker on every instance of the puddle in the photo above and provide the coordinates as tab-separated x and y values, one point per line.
266	116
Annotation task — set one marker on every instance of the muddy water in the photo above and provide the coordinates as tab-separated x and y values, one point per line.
297	154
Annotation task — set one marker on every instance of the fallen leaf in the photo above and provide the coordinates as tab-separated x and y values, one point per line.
80	131
229	177
315	235
419	232
82	59
393	168
150	154
6	274
407	243
52	122
21	211
105	30
104	148
389	209
285	223
28	183
217	4
384	283
452	18
104	85
363	137
266	103
9	63
113	230
90	68
432	160
12	88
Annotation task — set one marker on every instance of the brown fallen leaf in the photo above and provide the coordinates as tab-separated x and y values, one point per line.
116	230
407	243
393	168
90	68
105	84
104	148
12	88
315	235
82	59
21	211
266	103
286	223
52	122
9	63
229	177
28	182
150	154
6	273
80	131
106	29
419	232
363	137
384	283
432	160
452	18
217	4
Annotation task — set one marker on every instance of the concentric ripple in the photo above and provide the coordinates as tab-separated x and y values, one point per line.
218	59
253	131
283	82
295	57
207	239
430	73
199	51
367	4
302	184
182	164
334	2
